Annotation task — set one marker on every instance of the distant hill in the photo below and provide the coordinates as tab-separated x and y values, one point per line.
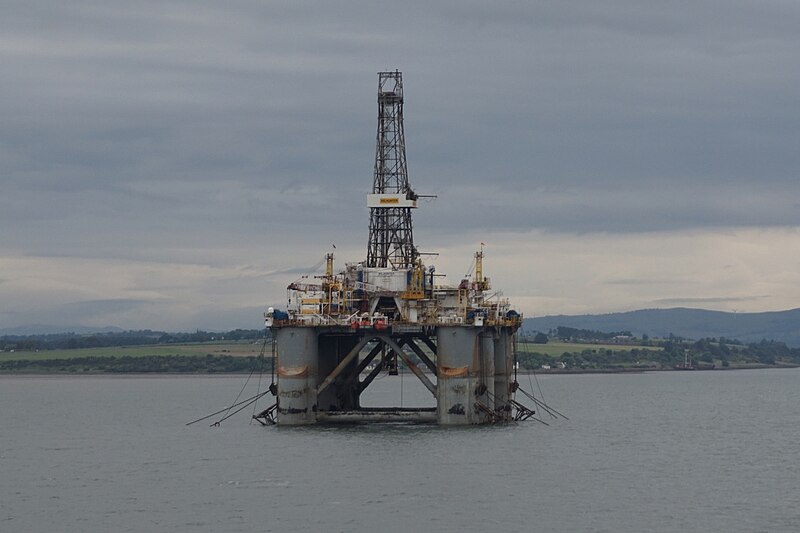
781	326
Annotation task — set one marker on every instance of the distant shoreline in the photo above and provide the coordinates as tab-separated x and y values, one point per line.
566	371
539	372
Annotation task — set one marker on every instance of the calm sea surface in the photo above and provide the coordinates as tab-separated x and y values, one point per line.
672	451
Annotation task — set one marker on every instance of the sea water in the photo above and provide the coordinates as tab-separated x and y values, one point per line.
668	451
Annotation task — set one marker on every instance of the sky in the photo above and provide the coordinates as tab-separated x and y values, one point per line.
175	165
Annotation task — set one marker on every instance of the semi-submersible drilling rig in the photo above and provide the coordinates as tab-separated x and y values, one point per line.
340	333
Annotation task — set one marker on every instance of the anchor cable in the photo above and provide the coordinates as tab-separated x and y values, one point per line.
227	408
260	373
236	402
246	405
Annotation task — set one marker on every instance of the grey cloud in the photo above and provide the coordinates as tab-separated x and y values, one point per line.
134	130
95	312
102	306
641	282
215	319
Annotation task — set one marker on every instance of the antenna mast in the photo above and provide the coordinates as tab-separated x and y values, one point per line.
391	239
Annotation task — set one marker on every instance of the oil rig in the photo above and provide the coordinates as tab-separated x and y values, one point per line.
342	331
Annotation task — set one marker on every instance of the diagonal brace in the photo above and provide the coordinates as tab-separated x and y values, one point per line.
368	359
422	355
430	343
417	372
371	376
352	354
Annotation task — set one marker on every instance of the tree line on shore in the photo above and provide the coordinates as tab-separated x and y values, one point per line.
657	353
70	341
195	364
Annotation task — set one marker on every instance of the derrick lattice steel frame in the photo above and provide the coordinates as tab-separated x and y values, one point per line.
391	239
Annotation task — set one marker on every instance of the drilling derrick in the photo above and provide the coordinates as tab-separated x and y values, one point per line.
391	239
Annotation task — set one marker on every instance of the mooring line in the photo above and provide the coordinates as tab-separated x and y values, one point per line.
246	405
543	405
259	395
260	372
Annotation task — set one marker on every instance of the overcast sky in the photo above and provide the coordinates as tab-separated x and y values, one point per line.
174	165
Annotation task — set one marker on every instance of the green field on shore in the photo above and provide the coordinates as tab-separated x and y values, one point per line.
244	348
247	348
555	349
237	349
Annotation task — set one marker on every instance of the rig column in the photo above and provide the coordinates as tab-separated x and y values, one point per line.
465	369
298	371
502	370
485	390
